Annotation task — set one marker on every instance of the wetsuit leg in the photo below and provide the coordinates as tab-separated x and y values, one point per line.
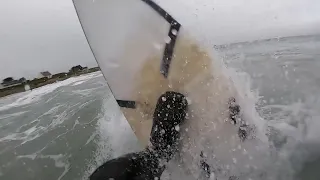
169	113
134	166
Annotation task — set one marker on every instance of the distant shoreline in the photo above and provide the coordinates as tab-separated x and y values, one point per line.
281	38
36	83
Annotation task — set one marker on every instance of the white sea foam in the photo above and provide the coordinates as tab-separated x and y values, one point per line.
60	161
78	83
5	116
93	135
115	136
85	92
195	22
36	131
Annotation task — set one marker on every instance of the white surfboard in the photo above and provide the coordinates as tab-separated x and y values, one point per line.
144	52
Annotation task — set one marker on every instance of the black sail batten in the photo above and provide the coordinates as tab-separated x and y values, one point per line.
173	33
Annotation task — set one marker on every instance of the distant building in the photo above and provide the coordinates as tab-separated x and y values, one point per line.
78	69
46	74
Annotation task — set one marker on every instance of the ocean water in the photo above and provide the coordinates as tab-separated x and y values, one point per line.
281	76
63	131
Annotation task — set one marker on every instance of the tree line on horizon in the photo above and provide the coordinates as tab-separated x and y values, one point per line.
47	75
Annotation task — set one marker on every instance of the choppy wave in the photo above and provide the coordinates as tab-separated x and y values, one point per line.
31	131
36	94
277	82
115	136
5	116
60	161
286	99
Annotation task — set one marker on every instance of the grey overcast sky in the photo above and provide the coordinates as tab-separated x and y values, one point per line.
39	35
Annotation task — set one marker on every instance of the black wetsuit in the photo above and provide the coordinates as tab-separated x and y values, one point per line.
169	112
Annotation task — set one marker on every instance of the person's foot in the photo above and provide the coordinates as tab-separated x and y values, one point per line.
169	113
